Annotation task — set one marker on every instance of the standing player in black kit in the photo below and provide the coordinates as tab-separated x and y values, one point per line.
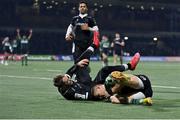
83	31
24	45
118	46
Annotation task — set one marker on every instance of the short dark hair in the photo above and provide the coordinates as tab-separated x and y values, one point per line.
58	81
93	90
83	2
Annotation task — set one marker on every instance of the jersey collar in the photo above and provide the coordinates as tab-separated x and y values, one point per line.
83	15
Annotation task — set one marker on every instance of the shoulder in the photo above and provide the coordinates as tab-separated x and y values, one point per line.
90	17
75	17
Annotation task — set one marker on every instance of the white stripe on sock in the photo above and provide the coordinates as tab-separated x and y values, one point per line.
91	48
125	66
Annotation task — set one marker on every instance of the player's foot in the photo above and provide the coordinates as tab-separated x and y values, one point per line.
148	101
134	61
2	62
119	76
6	63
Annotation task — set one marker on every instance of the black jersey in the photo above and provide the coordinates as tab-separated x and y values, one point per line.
83	38
117	42
7	47
24	43
76	91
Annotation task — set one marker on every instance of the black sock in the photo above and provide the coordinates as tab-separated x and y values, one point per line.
22	60
106	62
129	66
26	60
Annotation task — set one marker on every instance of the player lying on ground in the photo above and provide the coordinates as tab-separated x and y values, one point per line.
84	88
125	88
128	88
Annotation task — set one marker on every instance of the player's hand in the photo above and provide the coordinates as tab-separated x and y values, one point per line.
122	44
30	30
83	63
112	45
69	37
84	27
18	30
114	100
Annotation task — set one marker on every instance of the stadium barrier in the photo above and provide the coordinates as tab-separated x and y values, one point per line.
94	58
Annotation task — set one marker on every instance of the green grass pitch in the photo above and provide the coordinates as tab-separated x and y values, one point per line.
28	93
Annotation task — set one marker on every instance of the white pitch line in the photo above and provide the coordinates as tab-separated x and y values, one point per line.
54	70
171	87
44	78
48	70
11	76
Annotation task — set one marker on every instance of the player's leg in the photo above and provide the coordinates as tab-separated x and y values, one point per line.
82	74
22	60
144	96
105	59
105	71
26	52
85	54
90	50
3	57
6	54
148	92
121	57
129	80
2	61
140	101
26	59
22	56
115	58
136	99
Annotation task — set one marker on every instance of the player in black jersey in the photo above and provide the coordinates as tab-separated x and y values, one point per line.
125	88
79	89
104	49
120	87
83	88
14	48
24	46
118	46
82	31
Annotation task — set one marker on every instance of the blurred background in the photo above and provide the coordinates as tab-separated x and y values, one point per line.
151	27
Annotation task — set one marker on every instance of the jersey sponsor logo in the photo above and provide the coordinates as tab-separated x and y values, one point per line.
7	44
24	41
143	78
80	24
81	96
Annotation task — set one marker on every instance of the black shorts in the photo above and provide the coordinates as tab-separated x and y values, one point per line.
6	49
118	51
15	50
24	51
148	92
105	51
24	48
